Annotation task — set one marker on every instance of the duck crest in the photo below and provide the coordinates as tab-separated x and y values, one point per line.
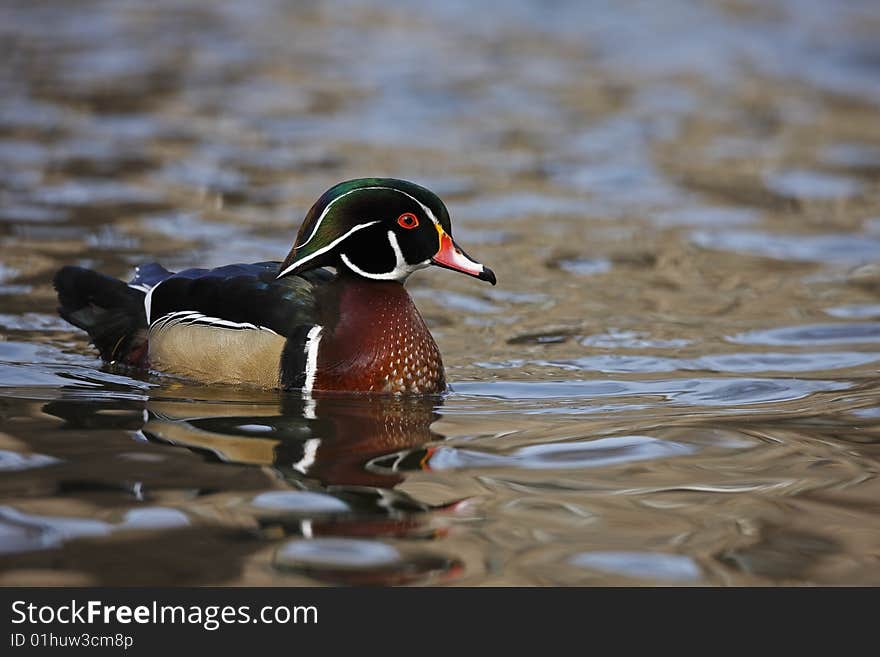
376	342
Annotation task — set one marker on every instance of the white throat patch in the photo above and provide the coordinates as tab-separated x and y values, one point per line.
402	269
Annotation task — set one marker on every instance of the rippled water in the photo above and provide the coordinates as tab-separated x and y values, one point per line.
675	381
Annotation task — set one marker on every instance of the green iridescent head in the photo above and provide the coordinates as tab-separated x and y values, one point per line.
381	229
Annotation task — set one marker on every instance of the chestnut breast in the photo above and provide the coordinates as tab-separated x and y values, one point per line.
376	341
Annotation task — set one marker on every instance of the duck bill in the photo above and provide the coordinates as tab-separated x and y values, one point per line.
450	256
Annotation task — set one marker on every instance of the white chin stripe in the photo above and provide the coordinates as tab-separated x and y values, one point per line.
194	318
402	269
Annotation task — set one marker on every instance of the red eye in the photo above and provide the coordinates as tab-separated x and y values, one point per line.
407	220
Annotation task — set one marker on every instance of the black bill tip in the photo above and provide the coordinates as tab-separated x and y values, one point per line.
487	275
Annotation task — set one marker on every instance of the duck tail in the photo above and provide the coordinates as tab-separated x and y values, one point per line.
109	310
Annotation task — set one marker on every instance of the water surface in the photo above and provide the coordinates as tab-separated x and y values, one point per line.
676	381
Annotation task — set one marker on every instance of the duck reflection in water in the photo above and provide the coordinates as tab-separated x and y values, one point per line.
353	451
331	439
353	447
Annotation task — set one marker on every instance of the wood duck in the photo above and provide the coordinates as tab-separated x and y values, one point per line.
293	325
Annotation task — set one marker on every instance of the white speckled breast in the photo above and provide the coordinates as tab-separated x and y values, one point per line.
379	343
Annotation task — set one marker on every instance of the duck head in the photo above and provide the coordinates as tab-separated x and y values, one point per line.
381	229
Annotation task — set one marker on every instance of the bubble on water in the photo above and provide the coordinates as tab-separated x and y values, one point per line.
583	266
512	296
748	391
721	391
813	334
206	176
7	273
27	113
22	153
24	213
616	339
812	185
517	205
457	300
16	461
346	553
857	311
469	236
95	192
562	456
299	502
32	354
27	376
648	565
741	363
852	155
23	532
155	517
844	248
706	216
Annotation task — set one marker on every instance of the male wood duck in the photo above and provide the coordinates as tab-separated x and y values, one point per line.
293	325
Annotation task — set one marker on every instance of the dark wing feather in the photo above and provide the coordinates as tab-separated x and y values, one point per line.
149	274
243	293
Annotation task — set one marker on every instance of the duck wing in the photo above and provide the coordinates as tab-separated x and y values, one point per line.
244	296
